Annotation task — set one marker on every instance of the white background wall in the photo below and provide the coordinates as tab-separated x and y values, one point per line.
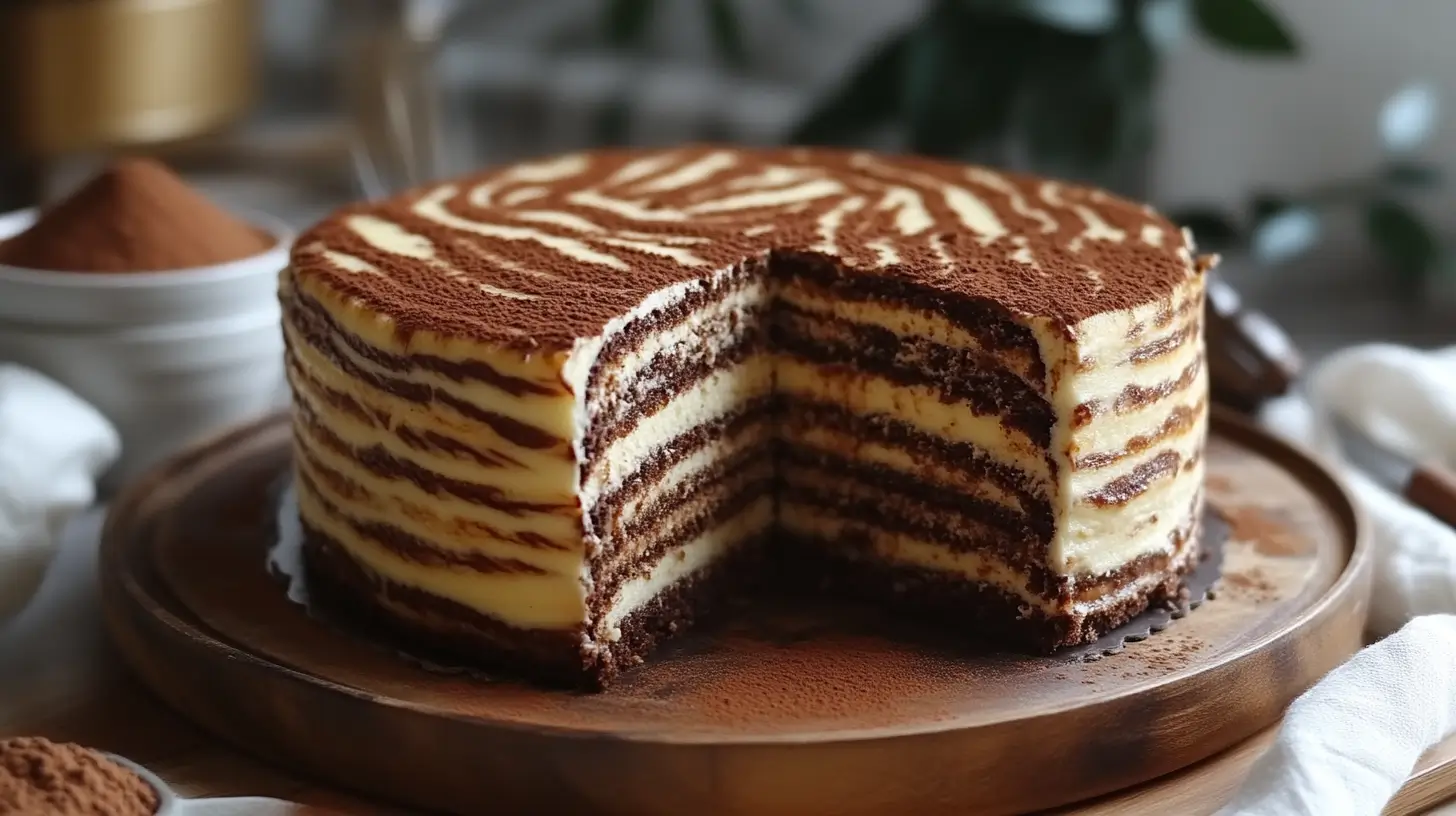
1230	124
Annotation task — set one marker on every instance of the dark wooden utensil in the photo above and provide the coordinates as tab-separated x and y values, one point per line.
1428	484
1250	358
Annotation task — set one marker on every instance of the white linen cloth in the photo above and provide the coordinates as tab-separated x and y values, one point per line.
1348	744
53	446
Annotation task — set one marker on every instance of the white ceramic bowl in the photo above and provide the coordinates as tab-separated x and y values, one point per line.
92	300
168	357
169	803
162	387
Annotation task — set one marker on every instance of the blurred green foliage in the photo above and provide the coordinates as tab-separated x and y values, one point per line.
1065	88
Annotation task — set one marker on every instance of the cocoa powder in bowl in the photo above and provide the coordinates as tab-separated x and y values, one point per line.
136	216
38	776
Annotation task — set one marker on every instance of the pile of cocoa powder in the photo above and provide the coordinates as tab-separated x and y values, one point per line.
38	776
136	216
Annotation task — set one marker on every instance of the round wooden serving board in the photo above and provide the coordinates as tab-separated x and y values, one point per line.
783	711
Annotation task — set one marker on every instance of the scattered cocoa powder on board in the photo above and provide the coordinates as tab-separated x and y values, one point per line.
136	216
1269	533
38	776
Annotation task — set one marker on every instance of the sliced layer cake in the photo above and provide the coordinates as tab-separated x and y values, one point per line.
547	415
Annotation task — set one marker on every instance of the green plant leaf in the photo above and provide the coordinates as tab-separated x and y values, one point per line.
985	74
927	65
1402	237
868	97
627	21
1087	109
1055	111
1130	64
1085	112
1244	25
949	96
1411	174
1213	229
727	34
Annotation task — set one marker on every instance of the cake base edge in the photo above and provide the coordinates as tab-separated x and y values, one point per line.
430	629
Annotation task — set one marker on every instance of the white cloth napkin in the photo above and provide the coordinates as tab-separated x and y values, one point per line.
1348	744
52	448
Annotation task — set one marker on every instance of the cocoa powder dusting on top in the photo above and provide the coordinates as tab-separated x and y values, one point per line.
38	776
538	254
136	216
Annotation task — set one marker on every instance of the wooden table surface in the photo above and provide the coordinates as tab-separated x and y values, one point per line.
60	678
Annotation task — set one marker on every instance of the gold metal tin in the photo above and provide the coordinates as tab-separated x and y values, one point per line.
83	75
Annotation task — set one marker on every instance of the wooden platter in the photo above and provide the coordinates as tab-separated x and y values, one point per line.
785	711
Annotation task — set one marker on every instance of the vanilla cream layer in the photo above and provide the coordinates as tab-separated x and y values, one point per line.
1105	375
561	529
835	441
1188	443
903	549
723	392
1110	430
937	328
921	407
716	396
1097	368
909	323
691	558
528	601
1087	480
584	359
1092	365
1118	534
899	548
543	476
684	513
715	326
451	524
966	527
551	413
1101	539
693	466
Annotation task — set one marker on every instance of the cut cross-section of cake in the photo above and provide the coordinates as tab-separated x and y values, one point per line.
548	415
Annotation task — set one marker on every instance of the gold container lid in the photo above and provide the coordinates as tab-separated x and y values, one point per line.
92	74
